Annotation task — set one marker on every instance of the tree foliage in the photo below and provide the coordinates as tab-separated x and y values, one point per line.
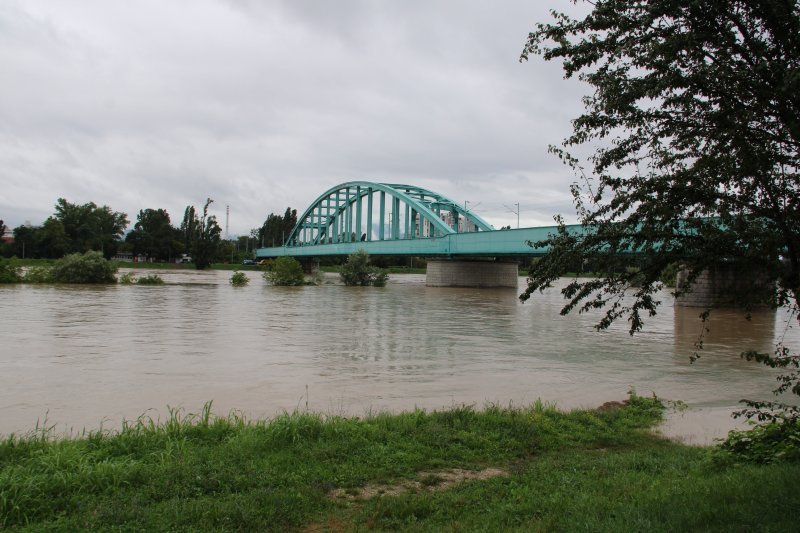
89	227
89	267
694	123
695	117
201	235
357	270
6	249
239	279
73	228
285	271
10	271
154	236
26	241
276	228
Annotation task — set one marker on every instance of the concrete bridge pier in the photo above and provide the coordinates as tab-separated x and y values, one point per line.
475	273
724	286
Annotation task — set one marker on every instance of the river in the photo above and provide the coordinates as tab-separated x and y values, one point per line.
76	357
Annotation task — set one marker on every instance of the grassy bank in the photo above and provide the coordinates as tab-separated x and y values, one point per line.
534	469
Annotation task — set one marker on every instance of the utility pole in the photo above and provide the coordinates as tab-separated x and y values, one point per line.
513	211
227	220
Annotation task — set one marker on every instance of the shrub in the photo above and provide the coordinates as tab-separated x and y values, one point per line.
285	271
38	274
765	443
153	279
358	271
9	271
239	279
127	278
90	267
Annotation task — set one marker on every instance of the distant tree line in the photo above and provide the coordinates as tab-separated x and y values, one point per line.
71	228
78	228
276	228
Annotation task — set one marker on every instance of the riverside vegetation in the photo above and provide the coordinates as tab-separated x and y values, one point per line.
239	279
541	470
356	271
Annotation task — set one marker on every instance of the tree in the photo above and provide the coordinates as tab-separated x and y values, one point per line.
201	235
358	271
25	241
276	228
287	271
51	240
694	123
10	272
154	236
6	249
88	227
695	110
89	267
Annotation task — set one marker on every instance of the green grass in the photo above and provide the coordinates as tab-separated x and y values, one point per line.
582	470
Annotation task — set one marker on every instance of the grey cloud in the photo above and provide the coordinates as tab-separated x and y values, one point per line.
261	105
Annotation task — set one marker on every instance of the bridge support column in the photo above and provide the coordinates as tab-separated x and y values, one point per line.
309	264
462	273
724	286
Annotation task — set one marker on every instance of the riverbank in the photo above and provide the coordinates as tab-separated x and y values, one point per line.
523	271
533	469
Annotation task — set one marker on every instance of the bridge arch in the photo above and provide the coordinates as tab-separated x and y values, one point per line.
358	211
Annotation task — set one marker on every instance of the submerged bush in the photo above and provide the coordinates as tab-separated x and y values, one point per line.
239	279
38	274
358	271
127	278
153	279
90	267
285	271
9	271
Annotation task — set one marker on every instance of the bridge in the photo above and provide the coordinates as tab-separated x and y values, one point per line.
462	248
407	220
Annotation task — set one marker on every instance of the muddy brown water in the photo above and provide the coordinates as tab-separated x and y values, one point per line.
77	357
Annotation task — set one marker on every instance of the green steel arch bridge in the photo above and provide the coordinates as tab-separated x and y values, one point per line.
463	250
397	219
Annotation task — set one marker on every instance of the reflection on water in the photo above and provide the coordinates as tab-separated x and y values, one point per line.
85	355
724	330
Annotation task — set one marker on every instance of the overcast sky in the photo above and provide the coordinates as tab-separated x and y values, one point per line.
265	104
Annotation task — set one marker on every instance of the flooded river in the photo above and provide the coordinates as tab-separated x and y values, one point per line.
81	356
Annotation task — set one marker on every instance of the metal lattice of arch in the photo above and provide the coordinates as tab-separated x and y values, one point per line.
366	211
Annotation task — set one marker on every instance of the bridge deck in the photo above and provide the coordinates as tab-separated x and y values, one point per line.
512	242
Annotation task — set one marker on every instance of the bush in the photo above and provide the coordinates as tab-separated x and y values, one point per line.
765	443
358	271
127	278
9	271
153	279
38	274
90	267
285	271
239	279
